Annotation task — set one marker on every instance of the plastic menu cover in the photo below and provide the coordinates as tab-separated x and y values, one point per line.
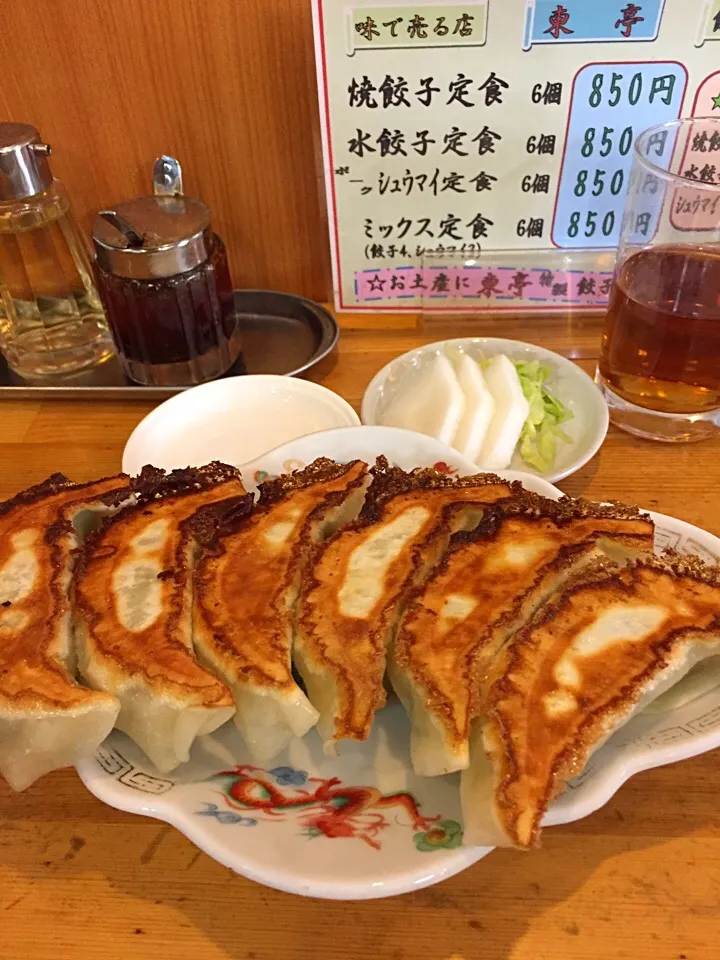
494	125
521	281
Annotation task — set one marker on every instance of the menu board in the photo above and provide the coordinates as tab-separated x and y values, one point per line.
464	128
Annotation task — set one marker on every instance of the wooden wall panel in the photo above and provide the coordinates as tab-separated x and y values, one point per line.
227	86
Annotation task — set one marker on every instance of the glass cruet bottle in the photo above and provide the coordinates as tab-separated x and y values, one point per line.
51	318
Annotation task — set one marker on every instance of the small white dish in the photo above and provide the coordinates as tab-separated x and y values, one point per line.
571	385
361	825
233	420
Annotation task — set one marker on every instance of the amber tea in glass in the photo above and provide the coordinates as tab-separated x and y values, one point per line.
660	358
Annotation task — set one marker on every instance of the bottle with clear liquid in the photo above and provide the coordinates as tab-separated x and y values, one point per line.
51	319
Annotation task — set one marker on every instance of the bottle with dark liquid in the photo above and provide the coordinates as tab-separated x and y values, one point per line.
164	281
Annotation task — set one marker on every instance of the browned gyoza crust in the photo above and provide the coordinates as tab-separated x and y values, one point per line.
246	590
390	482
37	522
133	610
242	582
552	697
347	647
189	504
489	582
320	471
47	720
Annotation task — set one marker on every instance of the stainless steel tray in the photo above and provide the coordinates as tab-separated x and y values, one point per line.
281	334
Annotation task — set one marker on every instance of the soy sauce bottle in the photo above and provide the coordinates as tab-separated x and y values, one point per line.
163	278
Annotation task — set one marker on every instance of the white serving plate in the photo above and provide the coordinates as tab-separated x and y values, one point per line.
571	385
366	825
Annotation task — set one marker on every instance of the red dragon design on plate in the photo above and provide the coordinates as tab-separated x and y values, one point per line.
323	807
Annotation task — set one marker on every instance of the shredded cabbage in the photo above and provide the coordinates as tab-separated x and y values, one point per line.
541	432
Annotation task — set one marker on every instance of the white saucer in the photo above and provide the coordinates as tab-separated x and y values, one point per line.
233	420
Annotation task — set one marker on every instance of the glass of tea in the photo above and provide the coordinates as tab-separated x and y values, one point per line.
660	359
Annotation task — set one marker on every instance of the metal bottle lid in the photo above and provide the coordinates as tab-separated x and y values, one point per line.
24	167
157	236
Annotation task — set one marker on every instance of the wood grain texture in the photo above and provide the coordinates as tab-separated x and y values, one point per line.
227	86
639	879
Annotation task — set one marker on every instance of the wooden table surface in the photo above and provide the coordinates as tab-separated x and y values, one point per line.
638	879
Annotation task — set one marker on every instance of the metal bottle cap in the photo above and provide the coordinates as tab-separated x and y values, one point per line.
24	168
156	236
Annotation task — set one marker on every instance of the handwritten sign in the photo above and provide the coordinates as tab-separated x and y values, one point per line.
591	22
699	209
611	104
417	25
707	98
492	286
452	128
709	23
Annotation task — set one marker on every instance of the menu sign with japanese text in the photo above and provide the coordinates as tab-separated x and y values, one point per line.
494	125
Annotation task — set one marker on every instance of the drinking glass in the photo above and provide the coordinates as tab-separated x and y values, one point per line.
660	358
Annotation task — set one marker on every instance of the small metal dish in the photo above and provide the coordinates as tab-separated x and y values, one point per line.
281	333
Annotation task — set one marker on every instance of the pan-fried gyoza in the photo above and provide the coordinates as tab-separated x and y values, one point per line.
246	590
608	645
47	720
133	607
491	581
350	603
519	632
